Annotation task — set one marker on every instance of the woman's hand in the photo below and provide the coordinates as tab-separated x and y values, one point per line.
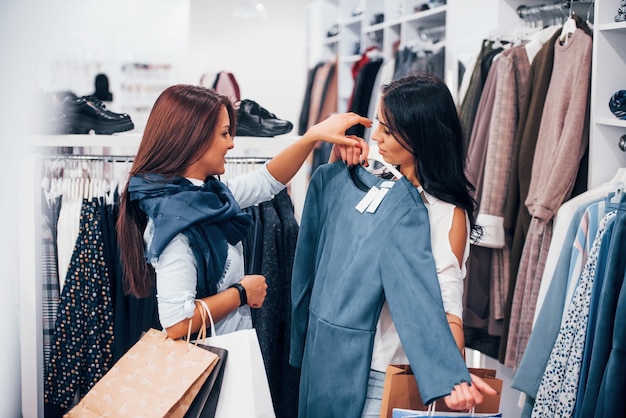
351	155
464	396
333	129
256	289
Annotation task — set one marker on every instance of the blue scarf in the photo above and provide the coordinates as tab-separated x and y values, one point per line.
207	215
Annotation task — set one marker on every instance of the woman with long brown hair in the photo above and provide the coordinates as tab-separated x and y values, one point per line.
180	228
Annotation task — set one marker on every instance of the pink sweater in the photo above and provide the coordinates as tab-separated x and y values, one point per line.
563	133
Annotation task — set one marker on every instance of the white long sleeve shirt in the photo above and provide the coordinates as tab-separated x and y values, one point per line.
387	346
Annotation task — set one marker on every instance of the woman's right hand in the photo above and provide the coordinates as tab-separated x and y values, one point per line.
464	397
256	289
349	154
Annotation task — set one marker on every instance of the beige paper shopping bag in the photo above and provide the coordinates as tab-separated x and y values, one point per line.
157	377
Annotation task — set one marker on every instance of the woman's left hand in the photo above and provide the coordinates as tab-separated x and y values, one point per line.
464	396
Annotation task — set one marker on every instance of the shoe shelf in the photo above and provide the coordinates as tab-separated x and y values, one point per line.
608	75
125	140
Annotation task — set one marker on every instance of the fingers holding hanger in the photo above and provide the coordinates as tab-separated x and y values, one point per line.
333	128
351	154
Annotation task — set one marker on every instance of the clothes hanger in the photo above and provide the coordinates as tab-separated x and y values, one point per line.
375	156
569	27
620	176
618	190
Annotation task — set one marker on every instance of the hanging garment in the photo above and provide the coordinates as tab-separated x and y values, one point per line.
49	271
324	98
81	353
285	378
469	105
476	311
362	93
562	141
303	121
346	264
512	68
383	77
517	217
604	394
557	392
530	371
272	320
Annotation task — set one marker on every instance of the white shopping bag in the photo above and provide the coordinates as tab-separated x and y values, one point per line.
245	391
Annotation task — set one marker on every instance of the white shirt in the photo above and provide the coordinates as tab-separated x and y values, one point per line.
387	347
176	269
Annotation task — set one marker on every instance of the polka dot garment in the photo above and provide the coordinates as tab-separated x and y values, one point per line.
82	349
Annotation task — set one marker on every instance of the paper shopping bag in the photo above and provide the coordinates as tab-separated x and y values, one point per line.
400	391
157	377
204	404
245	390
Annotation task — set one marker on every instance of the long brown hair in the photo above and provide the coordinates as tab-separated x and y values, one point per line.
178	132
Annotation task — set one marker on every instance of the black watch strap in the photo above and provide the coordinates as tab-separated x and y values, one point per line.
243	298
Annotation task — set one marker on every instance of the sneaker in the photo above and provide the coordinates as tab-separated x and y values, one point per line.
254	120
88	114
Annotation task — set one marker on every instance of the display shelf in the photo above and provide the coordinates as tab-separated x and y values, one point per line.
610	122
361	26
124	140
434	16
608	75
244	146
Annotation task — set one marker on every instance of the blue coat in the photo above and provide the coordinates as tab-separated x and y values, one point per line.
346	264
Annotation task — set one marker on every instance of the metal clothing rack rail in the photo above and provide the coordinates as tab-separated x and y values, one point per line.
552	11
90	157
125	158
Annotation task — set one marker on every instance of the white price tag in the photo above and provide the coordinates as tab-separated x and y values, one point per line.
367	199
377	199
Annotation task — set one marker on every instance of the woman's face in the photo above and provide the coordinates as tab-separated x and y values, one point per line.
214	159
389	147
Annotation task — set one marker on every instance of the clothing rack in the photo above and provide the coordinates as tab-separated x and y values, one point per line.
92	157
556	12
125	158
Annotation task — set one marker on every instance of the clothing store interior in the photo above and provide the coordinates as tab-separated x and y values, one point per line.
539	88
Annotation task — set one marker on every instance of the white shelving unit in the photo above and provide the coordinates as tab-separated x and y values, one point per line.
608	76
357	28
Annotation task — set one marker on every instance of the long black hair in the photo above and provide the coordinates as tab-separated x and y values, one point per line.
421	114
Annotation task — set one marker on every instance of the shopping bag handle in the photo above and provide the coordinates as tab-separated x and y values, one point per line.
206	312
431	410
202	331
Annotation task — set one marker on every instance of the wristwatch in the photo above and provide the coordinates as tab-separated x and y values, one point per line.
243	298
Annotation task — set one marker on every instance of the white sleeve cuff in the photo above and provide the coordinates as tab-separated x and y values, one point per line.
493	231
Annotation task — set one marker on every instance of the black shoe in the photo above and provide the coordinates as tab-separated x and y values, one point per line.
88	114
53	119
254	120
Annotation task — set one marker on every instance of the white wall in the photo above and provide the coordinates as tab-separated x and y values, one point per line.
17	73
265	51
